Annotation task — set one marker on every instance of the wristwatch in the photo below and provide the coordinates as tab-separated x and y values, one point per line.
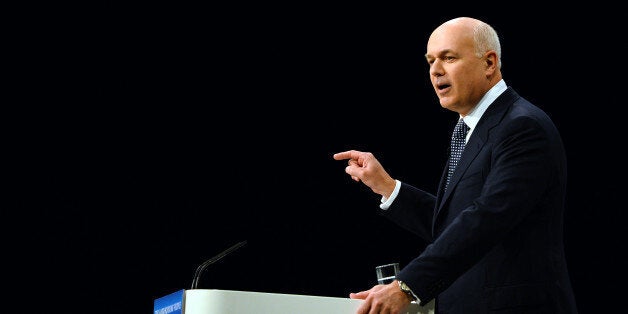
405	289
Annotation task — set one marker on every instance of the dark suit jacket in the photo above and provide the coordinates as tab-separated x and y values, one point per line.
496	234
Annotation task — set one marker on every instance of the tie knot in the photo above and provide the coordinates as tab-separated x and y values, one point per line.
461	129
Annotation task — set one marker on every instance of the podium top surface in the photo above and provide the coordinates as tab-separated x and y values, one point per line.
210	301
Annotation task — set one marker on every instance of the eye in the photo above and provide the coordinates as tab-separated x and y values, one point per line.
449	59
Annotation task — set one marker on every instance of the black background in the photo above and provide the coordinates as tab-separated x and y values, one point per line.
164	133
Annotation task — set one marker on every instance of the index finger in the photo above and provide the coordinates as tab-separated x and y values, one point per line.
350	154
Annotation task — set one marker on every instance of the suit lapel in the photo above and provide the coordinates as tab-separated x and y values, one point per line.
478	139
471	150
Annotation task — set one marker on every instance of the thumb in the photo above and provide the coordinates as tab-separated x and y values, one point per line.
354	172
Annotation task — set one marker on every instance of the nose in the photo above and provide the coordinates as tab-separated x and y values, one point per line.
436	68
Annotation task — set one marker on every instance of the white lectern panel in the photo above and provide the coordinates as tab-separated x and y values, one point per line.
210	301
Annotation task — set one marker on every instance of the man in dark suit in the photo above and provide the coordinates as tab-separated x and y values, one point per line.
495	231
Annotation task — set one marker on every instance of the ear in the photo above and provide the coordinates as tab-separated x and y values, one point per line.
490	58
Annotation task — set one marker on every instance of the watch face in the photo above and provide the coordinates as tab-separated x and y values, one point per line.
404	287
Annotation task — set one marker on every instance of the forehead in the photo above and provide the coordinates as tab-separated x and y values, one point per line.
450	38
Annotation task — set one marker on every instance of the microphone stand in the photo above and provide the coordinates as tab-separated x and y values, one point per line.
212	260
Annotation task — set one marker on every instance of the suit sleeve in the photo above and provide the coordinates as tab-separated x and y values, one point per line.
520	165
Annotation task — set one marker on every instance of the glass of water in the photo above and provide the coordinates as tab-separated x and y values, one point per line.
386	273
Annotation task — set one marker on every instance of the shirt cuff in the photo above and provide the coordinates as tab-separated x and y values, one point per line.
386	202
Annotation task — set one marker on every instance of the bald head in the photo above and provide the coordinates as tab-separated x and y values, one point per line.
482	35
464	58
467	21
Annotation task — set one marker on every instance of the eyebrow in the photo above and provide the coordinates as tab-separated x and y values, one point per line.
440	53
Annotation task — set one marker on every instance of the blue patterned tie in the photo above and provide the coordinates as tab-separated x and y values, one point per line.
457	147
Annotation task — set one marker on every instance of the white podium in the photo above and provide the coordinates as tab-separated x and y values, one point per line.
211	301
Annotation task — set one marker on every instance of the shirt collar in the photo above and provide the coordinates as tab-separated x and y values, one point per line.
476	113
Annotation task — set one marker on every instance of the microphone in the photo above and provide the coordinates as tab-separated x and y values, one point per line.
212	260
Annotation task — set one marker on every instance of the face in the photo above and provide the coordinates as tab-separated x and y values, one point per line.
458	76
